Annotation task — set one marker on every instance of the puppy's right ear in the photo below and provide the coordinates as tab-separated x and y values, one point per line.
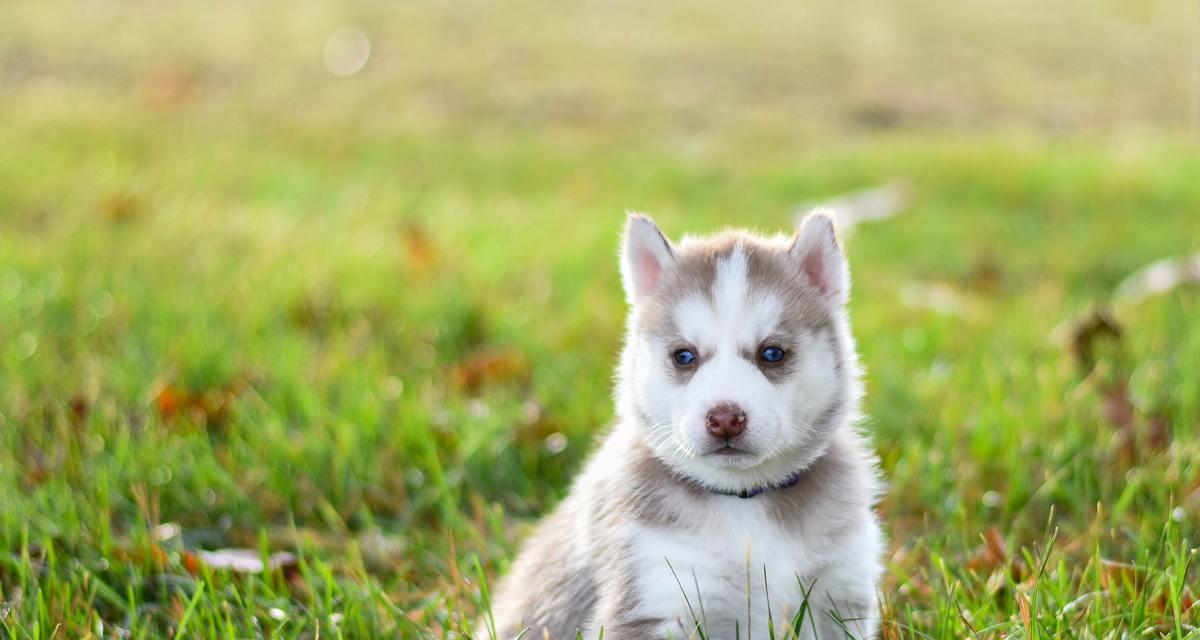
645	256
820	257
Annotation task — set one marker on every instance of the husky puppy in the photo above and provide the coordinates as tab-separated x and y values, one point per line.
735	478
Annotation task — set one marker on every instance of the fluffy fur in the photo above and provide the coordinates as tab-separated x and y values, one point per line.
648	544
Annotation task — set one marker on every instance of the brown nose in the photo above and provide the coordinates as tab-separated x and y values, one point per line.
726	420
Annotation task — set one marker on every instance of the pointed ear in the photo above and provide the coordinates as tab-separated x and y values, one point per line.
820	258
645	256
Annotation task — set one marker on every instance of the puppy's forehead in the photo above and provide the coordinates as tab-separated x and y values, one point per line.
733	272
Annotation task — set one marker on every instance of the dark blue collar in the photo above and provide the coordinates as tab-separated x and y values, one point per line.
786	483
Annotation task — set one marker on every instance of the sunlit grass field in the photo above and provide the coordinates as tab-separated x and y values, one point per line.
363	328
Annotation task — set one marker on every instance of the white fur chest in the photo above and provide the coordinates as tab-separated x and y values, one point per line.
715	574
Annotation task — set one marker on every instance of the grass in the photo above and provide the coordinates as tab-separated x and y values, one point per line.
232	316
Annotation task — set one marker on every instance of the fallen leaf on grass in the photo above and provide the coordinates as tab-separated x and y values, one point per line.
169	86
1023	607
1134	431
994	552
491	367
994	559
207	407
996	548
121	206
1099	325
150	554
1085	335
1097	338
210	408
170	401
1118	410
79	408
418	246
985	275
1115	574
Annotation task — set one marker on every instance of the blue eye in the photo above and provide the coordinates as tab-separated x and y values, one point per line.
684	357
772	354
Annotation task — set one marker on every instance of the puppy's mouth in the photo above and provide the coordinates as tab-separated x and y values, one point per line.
727	455
727	450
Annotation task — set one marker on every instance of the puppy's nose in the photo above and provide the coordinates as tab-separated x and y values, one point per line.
726	420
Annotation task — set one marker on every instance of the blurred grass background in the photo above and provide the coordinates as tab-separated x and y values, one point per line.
340	282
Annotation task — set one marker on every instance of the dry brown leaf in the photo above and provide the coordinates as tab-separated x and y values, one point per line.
1086	333
1023	606
995	544
418	246
169	86
494	366
169	401
79	408
985	275
151	554
121	206
1087	336
1117	408
1115	574
210	408
192	563
993	554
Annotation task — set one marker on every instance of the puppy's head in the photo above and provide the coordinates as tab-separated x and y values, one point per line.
738	363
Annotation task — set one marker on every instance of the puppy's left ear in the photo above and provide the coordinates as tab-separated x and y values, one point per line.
820	258
645	255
